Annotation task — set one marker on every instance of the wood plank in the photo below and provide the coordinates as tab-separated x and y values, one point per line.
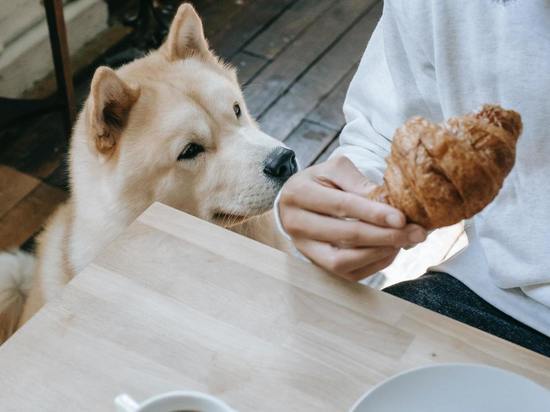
287	27
281	118
308	141
217	16
325	154
328	114
276	78
329	111
14	186
28	216
247	66
245	25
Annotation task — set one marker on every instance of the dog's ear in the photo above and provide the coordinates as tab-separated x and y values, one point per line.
186	35
111	102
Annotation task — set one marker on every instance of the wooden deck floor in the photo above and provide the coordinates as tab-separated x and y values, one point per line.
295	60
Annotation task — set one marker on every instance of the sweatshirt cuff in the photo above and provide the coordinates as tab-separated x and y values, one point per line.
295	252
277	218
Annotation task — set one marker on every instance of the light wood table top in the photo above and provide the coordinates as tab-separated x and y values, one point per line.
177	303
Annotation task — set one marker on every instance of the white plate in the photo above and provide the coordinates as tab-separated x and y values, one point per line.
456	388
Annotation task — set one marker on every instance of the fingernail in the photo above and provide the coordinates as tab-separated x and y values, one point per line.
417	236
394	220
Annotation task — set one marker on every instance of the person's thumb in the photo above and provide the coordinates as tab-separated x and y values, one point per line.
348	178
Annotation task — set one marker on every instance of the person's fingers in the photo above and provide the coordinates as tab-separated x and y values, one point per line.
337	203
301	223
350	264
369	270
343	174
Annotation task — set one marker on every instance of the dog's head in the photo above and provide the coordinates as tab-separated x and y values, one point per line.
173	127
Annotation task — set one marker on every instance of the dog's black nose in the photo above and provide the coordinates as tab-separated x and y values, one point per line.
280	164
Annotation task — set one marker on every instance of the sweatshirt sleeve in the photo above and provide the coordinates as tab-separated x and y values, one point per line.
395	81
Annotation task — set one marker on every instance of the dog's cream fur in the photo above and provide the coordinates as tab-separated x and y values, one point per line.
124	156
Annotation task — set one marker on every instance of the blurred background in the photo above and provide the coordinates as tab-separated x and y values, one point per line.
295	59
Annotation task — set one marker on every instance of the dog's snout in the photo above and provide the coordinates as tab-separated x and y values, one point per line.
280	164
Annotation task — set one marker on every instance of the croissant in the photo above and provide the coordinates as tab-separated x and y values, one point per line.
439	174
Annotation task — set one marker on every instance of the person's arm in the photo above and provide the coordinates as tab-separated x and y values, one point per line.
323	208
395	81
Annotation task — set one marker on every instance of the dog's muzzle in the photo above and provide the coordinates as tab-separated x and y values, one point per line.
280	164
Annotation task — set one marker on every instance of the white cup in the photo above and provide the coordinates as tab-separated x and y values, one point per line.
173	402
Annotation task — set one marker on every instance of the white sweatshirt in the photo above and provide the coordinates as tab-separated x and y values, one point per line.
441	58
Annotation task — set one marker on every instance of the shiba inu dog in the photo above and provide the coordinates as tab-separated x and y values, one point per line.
170	127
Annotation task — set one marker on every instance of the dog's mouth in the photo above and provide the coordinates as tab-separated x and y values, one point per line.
232	218
227	219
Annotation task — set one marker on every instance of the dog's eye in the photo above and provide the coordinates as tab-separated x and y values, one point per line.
237	110
191	151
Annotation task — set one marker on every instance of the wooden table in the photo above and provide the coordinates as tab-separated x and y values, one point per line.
177	303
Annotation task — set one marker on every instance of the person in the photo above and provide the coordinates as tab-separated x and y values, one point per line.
438	59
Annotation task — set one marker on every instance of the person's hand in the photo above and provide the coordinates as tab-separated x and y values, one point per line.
325	210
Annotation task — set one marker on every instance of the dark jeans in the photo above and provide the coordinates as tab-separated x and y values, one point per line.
444	294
